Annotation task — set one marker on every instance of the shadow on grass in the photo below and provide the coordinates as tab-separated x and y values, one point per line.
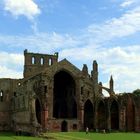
7	134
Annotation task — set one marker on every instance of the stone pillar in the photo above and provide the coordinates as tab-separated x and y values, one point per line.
137	120
50	98
80	111
44	118
95	119
122	119
81	117
108	119
33	113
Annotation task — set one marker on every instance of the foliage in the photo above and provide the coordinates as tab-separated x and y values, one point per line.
136	92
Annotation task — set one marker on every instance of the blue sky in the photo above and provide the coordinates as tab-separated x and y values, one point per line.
80	30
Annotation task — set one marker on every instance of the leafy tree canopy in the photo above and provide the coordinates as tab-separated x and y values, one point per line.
136	92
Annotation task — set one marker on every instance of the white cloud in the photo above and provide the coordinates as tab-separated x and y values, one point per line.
40	42
10	73
26	8
11	60
11	65
127	3
120	61
127	24
124	65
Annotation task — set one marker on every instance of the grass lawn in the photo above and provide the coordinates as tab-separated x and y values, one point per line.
74	136
11	136
93	136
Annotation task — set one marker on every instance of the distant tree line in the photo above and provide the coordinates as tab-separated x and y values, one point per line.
136	92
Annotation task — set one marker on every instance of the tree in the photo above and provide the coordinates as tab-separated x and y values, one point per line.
136	92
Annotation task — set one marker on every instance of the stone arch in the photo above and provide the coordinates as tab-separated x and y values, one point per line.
64	104
88	114
114	115
64	126
38	110
130	114
101	115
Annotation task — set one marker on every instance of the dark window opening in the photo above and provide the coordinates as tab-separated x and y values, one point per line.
45	89
114	110
64	126
15	94
82	88
38	111
64	104
101	116
88	115
88	93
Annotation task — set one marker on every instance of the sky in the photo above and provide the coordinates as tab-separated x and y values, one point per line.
81	31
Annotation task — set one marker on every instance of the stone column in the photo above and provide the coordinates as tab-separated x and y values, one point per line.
44	118
81	117
108	118
50	98
137	120
80	110
33	112
122	118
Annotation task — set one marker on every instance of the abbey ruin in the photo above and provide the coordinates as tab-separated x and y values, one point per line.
57	96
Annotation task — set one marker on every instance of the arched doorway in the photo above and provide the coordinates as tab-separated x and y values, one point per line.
64	126
88	115
101	116
64	104
130	115
114	111
38	111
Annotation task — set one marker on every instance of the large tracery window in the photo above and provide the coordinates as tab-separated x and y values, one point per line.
64	104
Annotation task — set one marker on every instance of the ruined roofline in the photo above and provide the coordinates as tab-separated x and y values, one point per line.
43	54
11	78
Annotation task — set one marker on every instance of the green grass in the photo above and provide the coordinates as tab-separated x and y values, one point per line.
11	136
93	136
74	136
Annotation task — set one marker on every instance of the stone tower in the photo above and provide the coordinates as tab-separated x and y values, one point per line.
35	63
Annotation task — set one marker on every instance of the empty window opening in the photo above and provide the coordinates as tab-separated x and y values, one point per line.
1	96
42	61
15	94
50	61
88	114
33	60
88	93
82	88
114	112
45	89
